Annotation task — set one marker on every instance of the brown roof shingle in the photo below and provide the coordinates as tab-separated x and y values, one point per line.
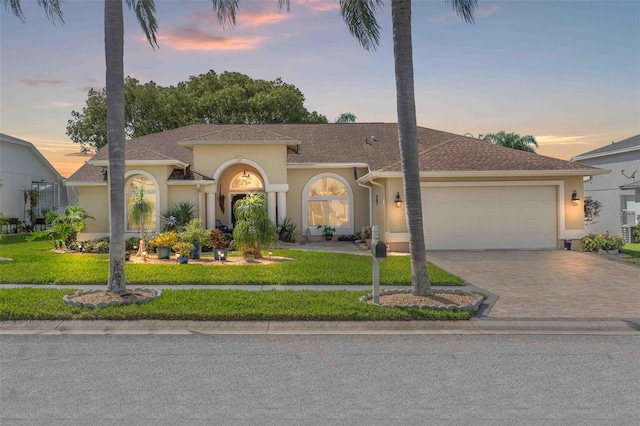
375	144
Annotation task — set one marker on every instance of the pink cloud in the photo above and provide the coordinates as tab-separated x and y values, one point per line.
486	11
192	39
37	83
252	18
320	5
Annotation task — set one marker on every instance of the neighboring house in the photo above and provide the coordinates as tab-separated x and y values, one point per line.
618	191
475	195
22	167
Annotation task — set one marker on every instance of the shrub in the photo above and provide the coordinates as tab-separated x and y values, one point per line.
131	244
194	232
63	230
183	248
595	242
219	239
254	228
165	239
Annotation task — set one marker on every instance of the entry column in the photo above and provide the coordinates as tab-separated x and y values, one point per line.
271	205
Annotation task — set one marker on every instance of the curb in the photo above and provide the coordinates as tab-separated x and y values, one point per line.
485	327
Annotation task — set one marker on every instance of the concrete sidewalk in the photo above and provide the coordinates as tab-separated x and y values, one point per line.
474	327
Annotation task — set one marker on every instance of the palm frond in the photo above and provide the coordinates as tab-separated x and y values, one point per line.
360	17
145	12
466	9
225	11
51	8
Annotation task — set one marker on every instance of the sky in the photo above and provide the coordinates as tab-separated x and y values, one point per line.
566	72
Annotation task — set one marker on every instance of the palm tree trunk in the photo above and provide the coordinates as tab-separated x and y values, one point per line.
114	55
408	139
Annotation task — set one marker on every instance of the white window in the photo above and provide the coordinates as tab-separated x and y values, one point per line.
328	200
132	189
629	210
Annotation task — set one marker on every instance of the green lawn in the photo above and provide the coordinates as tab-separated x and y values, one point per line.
633	250
218	305
35	263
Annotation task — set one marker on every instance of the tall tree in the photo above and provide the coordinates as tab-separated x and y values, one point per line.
346	117
225	11
512	140
360	17
207	98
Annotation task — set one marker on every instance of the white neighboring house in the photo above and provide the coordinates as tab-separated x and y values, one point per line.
22	167
618	191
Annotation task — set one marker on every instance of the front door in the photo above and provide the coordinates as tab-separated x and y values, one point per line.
234	200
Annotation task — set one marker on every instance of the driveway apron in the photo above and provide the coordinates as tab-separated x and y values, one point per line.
548	284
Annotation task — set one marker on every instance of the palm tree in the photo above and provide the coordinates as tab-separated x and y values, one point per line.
512	140
139	210
359	16
225	11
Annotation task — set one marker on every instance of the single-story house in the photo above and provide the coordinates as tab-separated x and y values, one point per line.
475	195
618	191
22	167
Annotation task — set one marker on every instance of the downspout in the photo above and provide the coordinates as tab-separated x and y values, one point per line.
384	204
370	202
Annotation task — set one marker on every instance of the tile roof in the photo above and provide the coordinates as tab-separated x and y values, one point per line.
632	142
375	144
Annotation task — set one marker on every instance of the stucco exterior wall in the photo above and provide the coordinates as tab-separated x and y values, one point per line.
95	200
271	158
606	189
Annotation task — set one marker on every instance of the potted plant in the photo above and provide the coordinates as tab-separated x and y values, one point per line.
220	244
195	233
367	232
164	241
249	253
140	208
327	231
183	249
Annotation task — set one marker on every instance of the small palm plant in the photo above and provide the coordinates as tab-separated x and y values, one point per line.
140	208
254	228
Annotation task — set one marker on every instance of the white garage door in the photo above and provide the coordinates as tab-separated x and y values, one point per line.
497	217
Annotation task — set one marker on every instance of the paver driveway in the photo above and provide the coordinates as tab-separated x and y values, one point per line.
548	284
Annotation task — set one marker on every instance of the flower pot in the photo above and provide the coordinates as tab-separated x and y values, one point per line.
164	252
197	249
220	253
183	260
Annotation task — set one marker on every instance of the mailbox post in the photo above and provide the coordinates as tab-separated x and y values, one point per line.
378	253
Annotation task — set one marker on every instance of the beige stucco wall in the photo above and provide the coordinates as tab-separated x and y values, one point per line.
95	200
271	158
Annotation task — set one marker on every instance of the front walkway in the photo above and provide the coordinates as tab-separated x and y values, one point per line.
548	284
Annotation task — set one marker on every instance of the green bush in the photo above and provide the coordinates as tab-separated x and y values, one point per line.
131	244
636	234
595	242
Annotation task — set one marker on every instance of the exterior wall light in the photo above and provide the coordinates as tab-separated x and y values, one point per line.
398	200
575	199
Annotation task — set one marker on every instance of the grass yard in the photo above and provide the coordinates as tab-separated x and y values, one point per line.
216	305
35	263
633	250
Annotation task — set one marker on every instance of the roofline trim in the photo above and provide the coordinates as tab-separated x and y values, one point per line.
605	153
325	165
105	163
488	173
83	183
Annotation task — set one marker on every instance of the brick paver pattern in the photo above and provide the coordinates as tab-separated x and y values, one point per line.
548	284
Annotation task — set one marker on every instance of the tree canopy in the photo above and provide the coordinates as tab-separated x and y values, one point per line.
228	98
512	140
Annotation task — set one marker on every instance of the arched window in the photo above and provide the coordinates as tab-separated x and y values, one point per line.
328	200
246	182
132	189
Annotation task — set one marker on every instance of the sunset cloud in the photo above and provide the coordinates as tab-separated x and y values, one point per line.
565	140
193	39
30	82
252	18
320	5
485	11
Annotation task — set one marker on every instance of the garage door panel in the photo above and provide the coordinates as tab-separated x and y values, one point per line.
490	217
